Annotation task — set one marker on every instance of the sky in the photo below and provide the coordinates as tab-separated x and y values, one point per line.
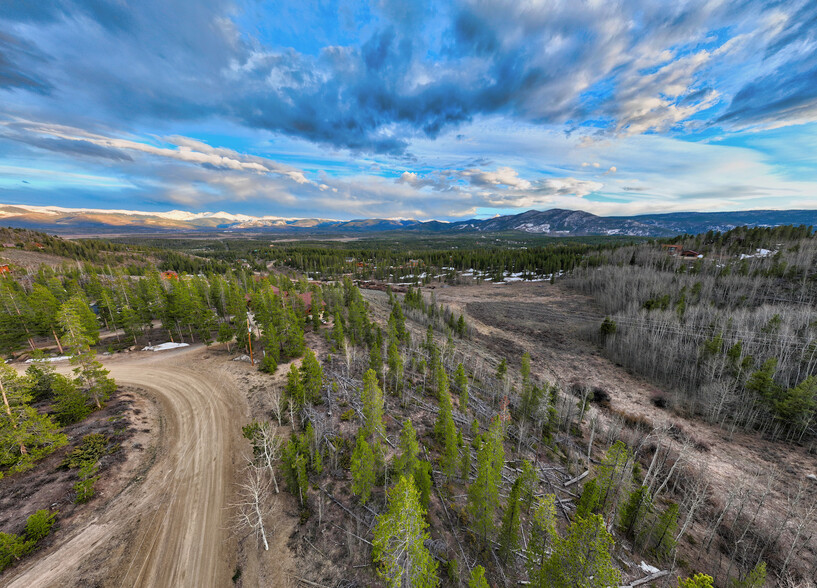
409	109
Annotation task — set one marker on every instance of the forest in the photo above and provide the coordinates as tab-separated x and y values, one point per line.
731	336
441	463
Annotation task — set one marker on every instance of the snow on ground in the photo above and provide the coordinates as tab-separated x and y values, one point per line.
758	253
165	346
48	359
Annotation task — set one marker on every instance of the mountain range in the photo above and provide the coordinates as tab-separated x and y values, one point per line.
554	222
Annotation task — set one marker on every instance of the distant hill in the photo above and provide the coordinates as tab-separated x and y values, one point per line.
555	222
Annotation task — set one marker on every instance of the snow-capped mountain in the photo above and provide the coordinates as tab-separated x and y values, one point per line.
555	222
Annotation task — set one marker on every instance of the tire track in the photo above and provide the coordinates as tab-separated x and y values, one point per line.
176	519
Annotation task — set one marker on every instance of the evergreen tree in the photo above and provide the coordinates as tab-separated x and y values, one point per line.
509	531
589	500
635	511
477	579
407	462
295	388
372	398
70	404
529	482
422	479
301	477
660	537
582	559
445	428
311	376
25	434
399	541
754	579
78	336
542	536
338	335
461	382
612	478
363	468
483	493
501	369
697	581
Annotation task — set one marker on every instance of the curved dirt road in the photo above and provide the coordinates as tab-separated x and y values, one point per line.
172	528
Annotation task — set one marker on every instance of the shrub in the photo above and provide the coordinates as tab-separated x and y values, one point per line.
12	548
38	525
90	451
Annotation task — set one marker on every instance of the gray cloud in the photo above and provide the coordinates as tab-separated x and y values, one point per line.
634	67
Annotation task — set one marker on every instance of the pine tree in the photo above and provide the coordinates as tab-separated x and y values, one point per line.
509	531
477	579
399	541
612	478
409	449
660	538
461	382
372	398
78	336
589	500
25	434
634	511
303	480
582	559
363	468
483	493
542	536
697	581
311	376
445	428
295	388
422	479
501	369
395	362
70	404
529	482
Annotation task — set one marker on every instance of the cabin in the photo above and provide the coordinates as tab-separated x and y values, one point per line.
673	249
690	254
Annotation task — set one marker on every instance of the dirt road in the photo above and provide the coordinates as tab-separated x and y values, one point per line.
172	528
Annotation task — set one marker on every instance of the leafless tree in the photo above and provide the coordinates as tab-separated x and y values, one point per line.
254	508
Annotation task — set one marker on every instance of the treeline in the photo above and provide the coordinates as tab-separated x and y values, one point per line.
135	258
409	260
733	334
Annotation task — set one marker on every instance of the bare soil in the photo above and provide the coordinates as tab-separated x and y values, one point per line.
170	525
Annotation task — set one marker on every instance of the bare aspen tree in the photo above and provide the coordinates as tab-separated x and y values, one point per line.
253	508
276	400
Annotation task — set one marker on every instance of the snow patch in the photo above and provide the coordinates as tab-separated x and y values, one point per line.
165	346
48	359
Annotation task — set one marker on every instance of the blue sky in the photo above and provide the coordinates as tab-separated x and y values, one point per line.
409	109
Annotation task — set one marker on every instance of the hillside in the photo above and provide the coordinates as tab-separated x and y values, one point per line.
555	222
